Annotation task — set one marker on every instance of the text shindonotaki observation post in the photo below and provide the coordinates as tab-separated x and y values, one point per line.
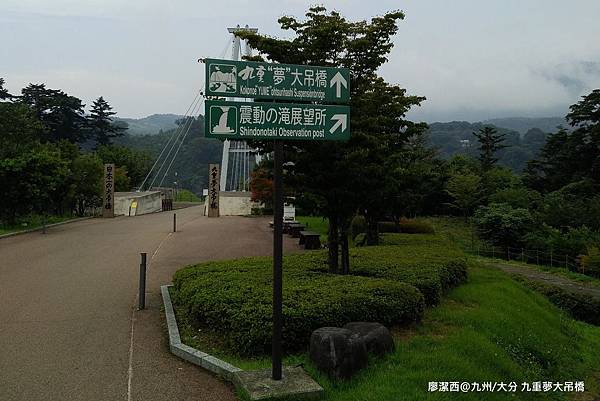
225	78
286	121
311	120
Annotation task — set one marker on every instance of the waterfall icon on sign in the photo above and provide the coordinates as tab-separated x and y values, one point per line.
222	119
222	78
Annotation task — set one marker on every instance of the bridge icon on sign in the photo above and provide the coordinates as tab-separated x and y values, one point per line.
222	78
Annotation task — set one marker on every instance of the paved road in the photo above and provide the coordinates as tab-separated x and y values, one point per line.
67	311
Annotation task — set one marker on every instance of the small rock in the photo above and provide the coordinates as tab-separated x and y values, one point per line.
338	352
377	337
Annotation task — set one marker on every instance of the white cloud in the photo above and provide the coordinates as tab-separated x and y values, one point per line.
471	59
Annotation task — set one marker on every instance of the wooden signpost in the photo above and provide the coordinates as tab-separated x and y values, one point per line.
108	194
213	190
314	121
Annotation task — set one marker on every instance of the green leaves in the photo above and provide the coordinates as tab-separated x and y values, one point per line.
100	123
502	224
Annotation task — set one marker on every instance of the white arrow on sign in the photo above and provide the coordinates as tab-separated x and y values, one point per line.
338	80
341	120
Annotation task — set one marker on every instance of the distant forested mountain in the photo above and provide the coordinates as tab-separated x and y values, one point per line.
524	124
449	139
192	160
457	138
150	125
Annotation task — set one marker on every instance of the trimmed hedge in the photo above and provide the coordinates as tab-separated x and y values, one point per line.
233	299
581	306
433	270
428	262
406	227
388	284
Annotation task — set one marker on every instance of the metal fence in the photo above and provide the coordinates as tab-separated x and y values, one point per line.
532	256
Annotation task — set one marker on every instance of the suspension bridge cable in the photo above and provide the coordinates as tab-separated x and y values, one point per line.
180	129
141	188
227	46
180	144
176	136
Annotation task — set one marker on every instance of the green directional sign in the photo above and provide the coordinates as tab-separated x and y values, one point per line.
227	78
287	121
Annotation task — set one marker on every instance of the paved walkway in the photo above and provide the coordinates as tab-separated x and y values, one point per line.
548	278
68	325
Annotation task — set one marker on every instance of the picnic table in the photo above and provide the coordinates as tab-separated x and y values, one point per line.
310	240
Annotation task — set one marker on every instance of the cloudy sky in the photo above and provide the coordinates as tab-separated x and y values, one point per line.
472	59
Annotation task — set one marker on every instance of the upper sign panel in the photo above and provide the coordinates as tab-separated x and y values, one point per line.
226	78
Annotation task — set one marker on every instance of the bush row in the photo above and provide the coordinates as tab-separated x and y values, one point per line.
428	262
433	270
581	306
233	299
406	226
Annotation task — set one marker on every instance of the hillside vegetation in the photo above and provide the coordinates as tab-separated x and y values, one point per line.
456	138
191	164
150	125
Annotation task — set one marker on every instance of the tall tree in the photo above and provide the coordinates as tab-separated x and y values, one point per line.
465	189
61	114
337	173
4	95
133	163
569	157
100	123
490	142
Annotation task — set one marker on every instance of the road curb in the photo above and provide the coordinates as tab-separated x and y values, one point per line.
192	355
32	230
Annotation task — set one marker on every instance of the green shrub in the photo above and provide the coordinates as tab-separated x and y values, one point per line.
406	226
233	299
581	306
432	269
387	227
503	225
389	284
428	262
590	262
358	226
416	227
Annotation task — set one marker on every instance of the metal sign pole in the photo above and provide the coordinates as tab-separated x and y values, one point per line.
277	259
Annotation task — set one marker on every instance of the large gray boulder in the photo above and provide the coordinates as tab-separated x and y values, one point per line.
338	352
377	337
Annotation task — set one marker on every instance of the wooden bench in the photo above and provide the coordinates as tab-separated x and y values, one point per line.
287	224
310	240
295	229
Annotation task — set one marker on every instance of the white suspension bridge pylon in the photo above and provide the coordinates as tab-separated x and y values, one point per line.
238	158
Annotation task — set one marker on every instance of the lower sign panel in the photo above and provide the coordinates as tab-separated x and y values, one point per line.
287	121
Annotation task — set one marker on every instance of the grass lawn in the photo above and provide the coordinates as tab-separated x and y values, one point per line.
33	222
317	224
